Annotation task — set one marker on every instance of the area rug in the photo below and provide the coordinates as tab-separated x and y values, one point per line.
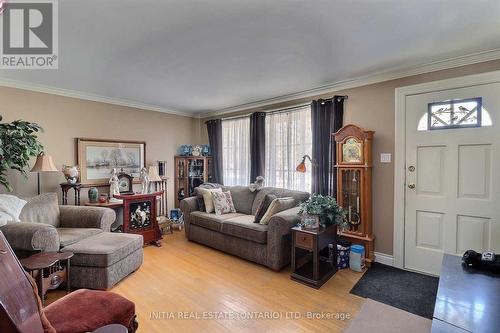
412	292
377	317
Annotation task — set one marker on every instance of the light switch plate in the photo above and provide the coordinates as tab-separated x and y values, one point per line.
385	157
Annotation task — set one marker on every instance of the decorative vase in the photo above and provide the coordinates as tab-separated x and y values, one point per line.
186	150
71	173
206	150
93	194
103	198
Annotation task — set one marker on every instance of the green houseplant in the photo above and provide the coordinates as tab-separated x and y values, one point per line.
326	209
18	143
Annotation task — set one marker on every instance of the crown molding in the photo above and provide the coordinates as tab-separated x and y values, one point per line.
377	77
87	96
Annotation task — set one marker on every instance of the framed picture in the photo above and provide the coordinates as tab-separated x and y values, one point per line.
310	221
97	158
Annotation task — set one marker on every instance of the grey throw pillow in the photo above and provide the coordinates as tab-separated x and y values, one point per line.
42	209
264	205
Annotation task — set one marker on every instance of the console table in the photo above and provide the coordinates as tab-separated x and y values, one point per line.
468	299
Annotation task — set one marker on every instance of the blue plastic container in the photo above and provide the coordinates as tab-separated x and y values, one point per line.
357	258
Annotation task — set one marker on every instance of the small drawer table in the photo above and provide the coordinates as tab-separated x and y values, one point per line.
309	266
49	269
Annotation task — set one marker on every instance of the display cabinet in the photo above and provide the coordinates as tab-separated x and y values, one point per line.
354	184
190	172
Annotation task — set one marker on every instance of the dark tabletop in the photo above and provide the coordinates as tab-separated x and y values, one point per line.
44	260
468	298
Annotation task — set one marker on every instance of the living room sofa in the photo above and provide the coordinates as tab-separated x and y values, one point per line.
101	258
237	234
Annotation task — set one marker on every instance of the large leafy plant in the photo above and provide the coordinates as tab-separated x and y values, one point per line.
18	143
326	207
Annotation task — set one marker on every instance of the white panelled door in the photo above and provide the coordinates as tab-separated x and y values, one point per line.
452	175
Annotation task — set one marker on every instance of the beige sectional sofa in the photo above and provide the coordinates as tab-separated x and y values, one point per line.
237	234
101	259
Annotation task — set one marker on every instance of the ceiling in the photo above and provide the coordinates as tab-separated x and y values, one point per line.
199	56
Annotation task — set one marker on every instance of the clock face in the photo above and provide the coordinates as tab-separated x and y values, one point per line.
351	151
123	185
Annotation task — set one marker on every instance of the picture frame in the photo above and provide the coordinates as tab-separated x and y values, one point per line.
310	222
97	157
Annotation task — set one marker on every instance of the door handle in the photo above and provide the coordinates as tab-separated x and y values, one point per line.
411	186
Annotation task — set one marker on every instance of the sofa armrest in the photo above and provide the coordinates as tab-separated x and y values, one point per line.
188	205
278	237
31	237
86	217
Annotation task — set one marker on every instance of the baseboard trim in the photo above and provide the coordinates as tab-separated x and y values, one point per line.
385	259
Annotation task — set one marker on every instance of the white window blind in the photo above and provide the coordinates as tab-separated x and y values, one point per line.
288	138
236	151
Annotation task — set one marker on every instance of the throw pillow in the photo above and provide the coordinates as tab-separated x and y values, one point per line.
199	195
263	207
223	203
10	208
278	205
42	209
207	198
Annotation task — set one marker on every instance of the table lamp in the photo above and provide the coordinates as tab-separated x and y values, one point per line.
44	163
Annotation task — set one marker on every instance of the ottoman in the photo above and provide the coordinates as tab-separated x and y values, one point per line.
102	260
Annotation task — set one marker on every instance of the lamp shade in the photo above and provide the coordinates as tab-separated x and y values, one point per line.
301	167
44	163
153	174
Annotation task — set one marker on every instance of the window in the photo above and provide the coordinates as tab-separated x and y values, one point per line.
236	151
461	113
288	138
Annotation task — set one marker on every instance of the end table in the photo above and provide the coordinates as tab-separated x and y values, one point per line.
308	266
49	269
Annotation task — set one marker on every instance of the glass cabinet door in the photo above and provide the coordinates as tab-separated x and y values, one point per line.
351	196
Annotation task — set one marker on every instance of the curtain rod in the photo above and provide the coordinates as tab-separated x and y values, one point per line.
287	109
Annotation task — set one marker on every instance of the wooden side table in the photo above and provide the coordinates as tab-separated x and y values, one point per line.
65	187
49	269
308	266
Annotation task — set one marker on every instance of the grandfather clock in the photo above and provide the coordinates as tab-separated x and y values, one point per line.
354	184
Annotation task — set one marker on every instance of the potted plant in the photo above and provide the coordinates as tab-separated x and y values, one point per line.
18	142
322	211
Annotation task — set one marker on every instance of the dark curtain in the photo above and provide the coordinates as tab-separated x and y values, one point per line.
214	128
257	144
327	118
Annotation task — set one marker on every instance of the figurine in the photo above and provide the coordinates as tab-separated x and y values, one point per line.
144	177
259	182
114	188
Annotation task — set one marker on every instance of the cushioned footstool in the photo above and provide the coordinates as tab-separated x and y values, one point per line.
102	260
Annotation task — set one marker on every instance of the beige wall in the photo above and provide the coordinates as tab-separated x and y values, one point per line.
372	107
65	119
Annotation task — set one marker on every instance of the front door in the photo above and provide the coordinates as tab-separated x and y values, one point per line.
452	175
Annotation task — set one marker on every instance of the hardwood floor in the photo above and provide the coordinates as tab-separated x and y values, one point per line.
192	279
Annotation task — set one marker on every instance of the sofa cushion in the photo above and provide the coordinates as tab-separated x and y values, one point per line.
42	209
242	198
263	207
68	236
104	249
243	227
104	307
278	205
299	196
210	220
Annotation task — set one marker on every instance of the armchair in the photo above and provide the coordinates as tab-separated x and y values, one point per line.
78	312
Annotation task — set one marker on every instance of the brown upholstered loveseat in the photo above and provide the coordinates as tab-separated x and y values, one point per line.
235	233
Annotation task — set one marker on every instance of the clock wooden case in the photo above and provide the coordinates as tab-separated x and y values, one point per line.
354	184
